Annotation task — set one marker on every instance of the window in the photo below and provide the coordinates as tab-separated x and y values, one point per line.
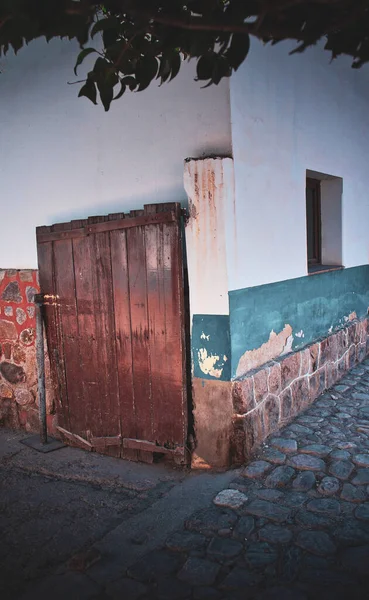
323	222
313	221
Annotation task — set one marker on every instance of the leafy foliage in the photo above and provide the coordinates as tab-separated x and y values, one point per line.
143	40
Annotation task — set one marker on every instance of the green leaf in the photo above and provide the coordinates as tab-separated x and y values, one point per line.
238	50
105	24
130	82
106	95
205	66
88	90
81	56
146	70
121	91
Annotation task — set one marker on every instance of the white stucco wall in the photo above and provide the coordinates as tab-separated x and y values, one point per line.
63	158
290	114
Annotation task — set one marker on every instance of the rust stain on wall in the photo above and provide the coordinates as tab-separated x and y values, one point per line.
277	345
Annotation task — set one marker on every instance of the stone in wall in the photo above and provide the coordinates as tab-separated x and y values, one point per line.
12	373
12	293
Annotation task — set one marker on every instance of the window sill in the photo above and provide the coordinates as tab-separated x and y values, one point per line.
315	269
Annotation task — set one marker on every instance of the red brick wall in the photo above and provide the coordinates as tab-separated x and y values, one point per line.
18	372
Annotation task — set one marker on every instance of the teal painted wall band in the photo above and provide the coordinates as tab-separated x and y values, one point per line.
315	305
211	339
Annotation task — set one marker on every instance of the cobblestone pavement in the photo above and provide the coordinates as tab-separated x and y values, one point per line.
301	529
292	525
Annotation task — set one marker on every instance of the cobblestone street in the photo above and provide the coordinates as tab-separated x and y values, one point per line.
293	525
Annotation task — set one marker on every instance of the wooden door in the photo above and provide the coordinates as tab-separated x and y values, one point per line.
114	315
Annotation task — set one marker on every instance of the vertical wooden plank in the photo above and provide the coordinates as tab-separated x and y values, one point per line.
165	309
160	374
175	321
123	338
105	336
140	335
52	328
69	334
84	286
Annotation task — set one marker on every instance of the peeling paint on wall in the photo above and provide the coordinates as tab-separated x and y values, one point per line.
207	363
314	307
211	347
276	345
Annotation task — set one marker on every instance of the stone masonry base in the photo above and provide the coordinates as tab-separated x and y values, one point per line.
233	418
268	398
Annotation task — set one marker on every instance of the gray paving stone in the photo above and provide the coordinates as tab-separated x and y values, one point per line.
351	493
326	506
346	445
244	528
257	469
360	396
361	477
285	445
341	388
304	481
223	549
290	564
269	494
362	512
210	520
309	419
275	534
292	498
199	571
361	460
328	486
280	477
304	518
352	531
172	589
268	510
343	416
319	450
274	456
316	542
356	559
300	429
260	554
340	454
184	541
230	498
239	579
342	469
307	463
126	588
224	533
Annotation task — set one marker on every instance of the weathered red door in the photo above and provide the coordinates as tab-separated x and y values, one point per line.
114	315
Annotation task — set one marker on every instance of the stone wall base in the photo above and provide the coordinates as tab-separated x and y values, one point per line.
233	418
18	371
